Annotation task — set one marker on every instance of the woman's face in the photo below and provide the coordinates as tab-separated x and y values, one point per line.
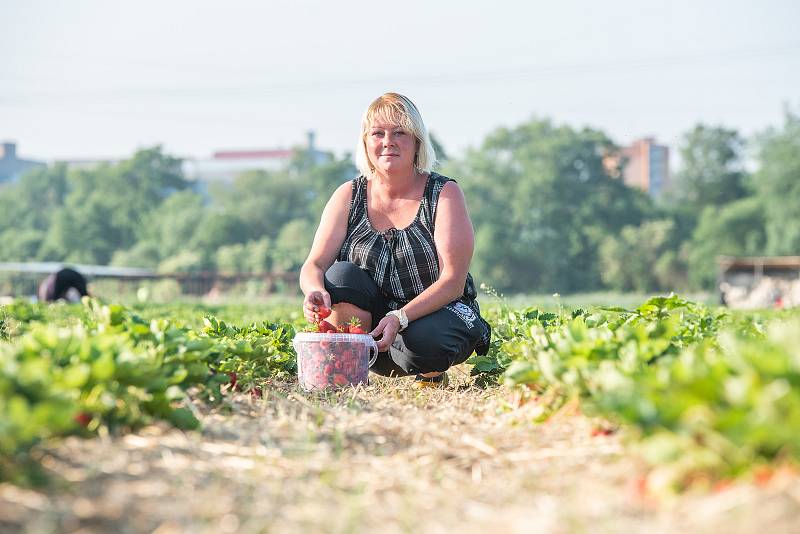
390	148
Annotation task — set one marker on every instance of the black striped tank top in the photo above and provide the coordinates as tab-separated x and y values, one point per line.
402	262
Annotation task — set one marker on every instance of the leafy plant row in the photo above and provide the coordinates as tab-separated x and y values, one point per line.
104	366
703	394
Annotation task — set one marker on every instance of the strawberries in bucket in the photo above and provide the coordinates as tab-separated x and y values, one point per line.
334	357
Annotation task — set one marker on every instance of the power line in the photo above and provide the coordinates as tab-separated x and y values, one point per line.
269	91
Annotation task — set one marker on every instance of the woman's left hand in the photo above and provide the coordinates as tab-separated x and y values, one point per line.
387	330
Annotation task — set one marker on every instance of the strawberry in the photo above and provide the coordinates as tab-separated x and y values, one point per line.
83	418
339	379
599	430
324	312
763	475
232	377
354	326
324	327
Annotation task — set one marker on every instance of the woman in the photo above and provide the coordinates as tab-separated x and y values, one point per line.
393	249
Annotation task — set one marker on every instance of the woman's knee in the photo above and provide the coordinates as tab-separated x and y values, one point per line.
344	273
347	282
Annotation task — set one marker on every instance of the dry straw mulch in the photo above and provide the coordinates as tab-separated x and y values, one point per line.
382	458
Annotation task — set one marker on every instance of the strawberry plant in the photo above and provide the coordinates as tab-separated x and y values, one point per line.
104	365
703	389
251	353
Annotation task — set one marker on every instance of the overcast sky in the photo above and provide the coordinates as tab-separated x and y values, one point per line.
97	78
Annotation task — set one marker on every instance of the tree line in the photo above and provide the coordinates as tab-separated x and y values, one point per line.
548	215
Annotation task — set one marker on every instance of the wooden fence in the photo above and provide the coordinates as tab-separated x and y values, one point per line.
22	280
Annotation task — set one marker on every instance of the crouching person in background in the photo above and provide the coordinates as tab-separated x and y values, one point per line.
65	284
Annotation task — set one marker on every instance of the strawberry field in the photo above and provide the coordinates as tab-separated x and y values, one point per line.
666	415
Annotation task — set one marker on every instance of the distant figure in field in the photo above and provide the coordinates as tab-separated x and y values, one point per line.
67	284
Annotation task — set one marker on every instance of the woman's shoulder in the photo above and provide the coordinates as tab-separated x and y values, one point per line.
441	178
442	184
347	192
344	192
356	181
441	188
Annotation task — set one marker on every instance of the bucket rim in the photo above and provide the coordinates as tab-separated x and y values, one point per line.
338	337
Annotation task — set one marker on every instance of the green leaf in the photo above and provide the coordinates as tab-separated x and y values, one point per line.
183	419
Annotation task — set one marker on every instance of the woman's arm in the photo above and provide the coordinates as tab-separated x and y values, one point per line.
328	239
455	241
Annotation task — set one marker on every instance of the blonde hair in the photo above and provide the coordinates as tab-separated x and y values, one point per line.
396	109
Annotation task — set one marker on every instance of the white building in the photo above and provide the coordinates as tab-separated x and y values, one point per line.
225	165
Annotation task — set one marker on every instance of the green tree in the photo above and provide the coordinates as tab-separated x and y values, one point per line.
174	223
217	229
292	244
441	155
105	209
251	257
31	202
737	229
20	244
144	254
777	184
185	261
642	258
542	202
323	179
712	171
27	209
84	233
264	202
259	258
232	258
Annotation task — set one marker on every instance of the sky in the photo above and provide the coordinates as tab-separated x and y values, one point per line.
97	79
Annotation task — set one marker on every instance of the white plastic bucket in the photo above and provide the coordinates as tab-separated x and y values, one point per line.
333	360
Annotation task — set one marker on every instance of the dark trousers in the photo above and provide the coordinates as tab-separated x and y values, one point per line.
431	343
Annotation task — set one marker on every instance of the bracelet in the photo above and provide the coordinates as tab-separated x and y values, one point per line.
401	316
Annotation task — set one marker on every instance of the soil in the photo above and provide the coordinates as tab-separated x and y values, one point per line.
387	457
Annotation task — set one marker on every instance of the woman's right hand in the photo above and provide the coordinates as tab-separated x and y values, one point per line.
313	302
